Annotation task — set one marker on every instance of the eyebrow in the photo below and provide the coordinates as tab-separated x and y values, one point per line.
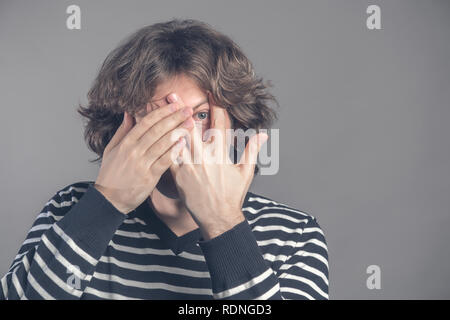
194	107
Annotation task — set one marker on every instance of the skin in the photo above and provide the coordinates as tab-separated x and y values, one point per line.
187	196
214	192
138	154
165	198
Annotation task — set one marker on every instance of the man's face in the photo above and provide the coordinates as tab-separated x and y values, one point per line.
190	94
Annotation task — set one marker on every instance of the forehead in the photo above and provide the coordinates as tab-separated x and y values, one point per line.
185	87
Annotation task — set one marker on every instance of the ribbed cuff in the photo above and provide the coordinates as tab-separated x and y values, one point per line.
233	257
92	221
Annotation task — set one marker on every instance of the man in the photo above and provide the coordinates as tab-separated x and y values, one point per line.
150	227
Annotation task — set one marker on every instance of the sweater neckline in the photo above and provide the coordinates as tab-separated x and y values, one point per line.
170	240
174	242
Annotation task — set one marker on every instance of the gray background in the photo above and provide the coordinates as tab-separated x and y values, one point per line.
364	121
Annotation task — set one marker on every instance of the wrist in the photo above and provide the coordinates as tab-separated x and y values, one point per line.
220	226
110	197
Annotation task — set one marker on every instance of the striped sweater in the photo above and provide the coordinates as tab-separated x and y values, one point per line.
81	247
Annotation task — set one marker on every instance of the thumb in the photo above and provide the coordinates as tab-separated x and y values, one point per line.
250	155
122	130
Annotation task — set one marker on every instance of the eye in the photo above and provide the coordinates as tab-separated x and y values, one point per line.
202	115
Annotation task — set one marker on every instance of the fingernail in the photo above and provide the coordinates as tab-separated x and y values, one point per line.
173	97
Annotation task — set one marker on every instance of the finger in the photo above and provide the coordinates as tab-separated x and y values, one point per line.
250	155
168	158
196	143
219	120
181	118
180	156
218	115
185	155
166	141
121	132
176	158
153	117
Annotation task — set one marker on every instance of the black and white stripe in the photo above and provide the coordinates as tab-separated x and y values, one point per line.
285	250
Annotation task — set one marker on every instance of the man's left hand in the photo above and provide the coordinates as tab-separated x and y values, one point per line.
214	191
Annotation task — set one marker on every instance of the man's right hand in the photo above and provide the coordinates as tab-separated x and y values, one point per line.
137	155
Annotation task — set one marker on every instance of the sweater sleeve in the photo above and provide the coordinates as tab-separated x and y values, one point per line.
239	271
60	253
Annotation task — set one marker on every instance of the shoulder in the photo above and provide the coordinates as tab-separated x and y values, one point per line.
54	210
73	192
65	197
263	212
258	205
282	231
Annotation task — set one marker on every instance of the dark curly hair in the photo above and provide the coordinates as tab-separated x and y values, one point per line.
155	53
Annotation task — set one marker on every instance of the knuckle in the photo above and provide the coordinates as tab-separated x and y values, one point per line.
181	114
175	117
155	169
166	160
159	129
154	116
159	113
147	120
125	143
172	105
150	134
133	153
141	166
122	147
178	179
149	158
